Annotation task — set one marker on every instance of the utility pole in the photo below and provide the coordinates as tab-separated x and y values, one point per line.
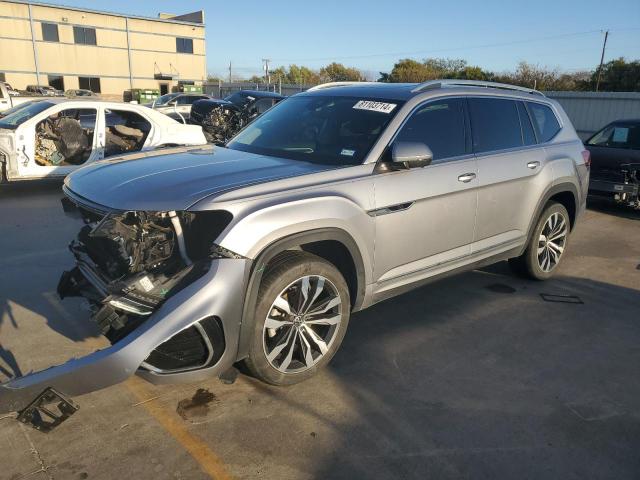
604	45
266	70
229	71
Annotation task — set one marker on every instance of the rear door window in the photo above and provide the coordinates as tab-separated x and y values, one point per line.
440	125
495	124
125	132
544	121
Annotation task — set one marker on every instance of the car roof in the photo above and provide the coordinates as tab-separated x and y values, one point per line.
625	121
259	93
405	91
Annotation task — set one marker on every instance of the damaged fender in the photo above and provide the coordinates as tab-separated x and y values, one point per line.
217	293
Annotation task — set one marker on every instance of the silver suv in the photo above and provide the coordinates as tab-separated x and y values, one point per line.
333	200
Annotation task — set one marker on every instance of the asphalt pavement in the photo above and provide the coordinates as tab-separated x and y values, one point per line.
481	375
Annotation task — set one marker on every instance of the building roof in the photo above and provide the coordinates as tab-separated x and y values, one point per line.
179	19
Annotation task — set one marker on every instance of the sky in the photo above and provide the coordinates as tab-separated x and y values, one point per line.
372	36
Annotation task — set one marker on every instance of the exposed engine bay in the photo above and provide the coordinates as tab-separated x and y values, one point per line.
631	173
621	181
129	263
223	122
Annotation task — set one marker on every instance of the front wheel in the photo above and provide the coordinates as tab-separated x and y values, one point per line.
547	244
301	317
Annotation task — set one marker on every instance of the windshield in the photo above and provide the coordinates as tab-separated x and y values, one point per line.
239	99
319	129
164	99
9	111
617	136
21	113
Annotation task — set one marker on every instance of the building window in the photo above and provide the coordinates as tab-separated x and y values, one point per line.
56	81
50	32
2	77
90	83
84	36
184	45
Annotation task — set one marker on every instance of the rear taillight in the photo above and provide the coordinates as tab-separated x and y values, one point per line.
586	156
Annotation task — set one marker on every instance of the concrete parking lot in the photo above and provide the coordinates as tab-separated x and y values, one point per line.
476	376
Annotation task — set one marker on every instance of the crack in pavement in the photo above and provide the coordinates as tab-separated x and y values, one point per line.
43	467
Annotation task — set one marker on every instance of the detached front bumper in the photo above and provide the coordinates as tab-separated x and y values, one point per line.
218	293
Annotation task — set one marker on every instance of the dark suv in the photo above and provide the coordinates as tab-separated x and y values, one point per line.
615	153
220	119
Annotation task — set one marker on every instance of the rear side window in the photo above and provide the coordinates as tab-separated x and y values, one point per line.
528	137
125	132
544	121
495	124
440	125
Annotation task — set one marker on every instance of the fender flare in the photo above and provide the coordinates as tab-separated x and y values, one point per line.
286	243
551	191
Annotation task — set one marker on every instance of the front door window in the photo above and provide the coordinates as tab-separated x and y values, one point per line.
65	138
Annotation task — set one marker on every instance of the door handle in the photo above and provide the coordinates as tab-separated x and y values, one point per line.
533	165
466	177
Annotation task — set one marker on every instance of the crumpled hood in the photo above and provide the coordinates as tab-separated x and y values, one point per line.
177	181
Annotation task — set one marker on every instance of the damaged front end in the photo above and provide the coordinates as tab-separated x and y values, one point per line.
162	292
622	183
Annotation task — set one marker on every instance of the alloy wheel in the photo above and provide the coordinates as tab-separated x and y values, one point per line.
302	323
552	241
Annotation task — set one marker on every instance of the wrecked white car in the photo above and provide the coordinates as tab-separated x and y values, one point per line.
48	139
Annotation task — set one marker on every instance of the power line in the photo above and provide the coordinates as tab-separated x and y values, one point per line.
422	52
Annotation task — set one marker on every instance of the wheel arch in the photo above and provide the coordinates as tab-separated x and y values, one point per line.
329	243
563	193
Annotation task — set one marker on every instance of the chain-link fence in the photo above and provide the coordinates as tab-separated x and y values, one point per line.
222	89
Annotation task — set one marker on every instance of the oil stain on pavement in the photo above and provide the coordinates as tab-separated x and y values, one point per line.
197	407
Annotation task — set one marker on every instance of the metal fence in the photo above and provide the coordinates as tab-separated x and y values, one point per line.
222	89
590	111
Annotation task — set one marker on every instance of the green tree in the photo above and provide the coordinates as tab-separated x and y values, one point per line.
302	75
618	76
337	72
413	71
408	70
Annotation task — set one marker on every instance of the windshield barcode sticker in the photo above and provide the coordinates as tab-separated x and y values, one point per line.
375	106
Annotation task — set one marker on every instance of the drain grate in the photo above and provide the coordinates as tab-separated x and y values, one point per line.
549	297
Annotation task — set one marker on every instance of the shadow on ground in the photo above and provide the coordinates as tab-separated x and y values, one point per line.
457	380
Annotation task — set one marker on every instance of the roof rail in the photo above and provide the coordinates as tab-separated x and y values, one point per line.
433	84
338	84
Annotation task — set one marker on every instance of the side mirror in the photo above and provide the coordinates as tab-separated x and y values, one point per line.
411	154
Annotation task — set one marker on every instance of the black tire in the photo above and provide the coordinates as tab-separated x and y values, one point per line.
528	264
279	278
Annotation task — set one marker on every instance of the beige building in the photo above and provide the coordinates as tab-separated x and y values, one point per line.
71	48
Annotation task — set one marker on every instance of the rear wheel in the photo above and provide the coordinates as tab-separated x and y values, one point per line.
547	244
302	313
